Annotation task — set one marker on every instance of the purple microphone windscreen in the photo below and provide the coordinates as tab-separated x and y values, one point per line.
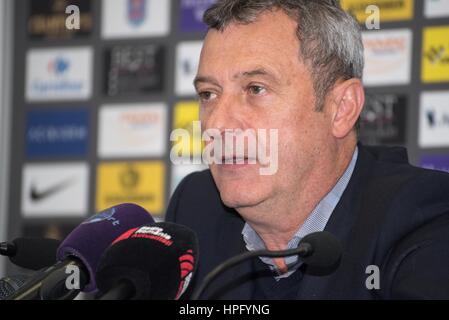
90	239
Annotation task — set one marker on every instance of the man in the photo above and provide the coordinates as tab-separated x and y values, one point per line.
296	66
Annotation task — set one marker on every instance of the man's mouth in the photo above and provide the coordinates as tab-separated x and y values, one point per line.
237	160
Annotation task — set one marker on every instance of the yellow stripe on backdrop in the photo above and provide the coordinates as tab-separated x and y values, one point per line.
435	54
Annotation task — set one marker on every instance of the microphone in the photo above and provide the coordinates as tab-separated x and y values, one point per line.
81	252
154	261
31	253
9	285
319	251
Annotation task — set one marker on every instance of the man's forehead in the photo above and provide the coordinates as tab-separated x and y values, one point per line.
241	63
266	48
240	42
270	26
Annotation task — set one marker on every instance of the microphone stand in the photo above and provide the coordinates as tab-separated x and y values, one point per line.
38	289
303	250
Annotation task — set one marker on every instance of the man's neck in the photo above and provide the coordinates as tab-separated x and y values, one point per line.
283	215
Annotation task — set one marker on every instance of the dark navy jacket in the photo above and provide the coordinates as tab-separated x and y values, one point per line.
391	215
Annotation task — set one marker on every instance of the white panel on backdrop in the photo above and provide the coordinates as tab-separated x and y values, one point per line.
55	190
132	130
135	18
187	60
388	56
436	8
59	74
434	119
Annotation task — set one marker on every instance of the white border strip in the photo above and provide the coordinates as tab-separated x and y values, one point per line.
6	48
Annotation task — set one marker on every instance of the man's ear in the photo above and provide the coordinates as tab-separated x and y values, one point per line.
348	98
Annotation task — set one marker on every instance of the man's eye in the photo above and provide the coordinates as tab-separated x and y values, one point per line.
206	95
256	90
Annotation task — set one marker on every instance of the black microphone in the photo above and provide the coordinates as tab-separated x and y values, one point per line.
155	261
319	251
9	285
31	253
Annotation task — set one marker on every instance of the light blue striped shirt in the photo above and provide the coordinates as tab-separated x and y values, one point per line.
315	222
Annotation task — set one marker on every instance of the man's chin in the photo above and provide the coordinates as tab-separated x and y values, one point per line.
240	188
239	196
237	201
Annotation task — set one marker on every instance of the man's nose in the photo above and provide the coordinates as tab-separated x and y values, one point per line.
226	114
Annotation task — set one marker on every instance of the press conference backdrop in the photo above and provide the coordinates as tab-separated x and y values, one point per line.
93	107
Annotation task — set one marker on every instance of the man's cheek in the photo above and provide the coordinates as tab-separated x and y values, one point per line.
268	151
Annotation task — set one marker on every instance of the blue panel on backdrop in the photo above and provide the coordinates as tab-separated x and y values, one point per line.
436	162
60	133
192	14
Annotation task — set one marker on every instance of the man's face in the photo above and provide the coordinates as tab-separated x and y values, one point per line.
250	77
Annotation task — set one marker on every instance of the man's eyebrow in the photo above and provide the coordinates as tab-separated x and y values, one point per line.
257	72
198	79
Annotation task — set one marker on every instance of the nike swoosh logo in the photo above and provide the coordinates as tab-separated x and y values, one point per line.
39	195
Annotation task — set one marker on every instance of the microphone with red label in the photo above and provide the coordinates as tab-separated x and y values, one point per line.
153	262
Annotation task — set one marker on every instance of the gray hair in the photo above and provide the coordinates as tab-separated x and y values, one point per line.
331	40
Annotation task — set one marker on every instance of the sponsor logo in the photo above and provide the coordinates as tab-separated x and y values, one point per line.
436	8
390	10
387	57
105	215
192	12
157	231
435	60
47	19
57	133
383	119
436	55
102	216
135	18
134	70
130	179
187	263
434	119
59	74
58	66
136	182
436	162
153	233
136	12
37	195
132	130
55	190
187	60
